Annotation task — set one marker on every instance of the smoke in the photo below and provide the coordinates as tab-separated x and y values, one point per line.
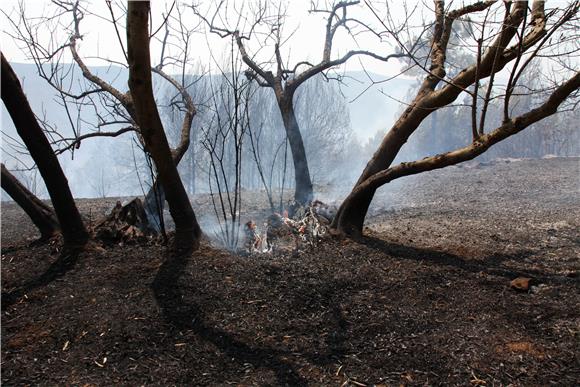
341	130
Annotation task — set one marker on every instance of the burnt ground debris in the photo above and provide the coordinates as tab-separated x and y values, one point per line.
424	298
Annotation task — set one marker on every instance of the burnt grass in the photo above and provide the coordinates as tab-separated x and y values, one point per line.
423	299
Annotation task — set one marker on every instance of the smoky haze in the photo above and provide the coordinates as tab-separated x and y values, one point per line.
355	115
106	166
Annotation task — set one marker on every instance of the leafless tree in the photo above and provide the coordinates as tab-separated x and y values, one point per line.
510	37
267	149
187	231
284	78
113	107
323	116
223	139
73	229
255	140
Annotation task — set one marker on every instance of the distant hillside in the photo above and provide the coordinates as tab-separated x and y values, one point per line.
369	112
46	104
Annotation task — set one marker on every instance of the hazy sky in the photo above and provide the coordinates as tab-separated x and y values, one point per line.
370	113
306	30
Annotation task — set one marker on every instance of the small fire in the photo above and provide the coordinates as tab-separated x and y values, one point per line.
309	226
256	242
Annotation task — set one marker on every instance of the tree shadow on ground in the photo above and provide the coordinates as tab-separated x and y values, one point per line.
187	315
491	265
66	261
184	313
190	316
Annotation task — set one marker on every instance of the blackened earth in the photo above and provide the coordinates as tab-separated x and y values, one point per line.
423	299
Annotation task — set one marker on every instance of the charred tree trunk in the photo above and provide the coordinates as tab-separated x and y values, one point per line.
72	226
351	214
187	231
154	203
155	198
40	214
303	190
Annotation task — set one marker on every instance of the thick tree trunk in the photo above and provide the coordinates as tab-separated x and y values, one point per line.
73	229
351	214
155	198
187	231
303	190
40	214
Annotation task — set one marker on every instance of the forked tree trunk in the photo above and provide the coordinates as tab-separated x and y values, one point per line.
353	210
40	214
187	231
71	224
303	191
350	217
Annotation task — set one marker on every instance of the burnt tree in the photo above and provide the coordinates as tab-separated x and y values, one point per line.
115	106
519	39
285	80
71	224
41	215
187	230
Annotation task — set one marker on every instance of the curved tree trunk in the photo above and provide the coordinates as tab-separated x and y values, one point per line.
40	214
154	202
353	210
351	214
303	190
154	205
72	226
429	98
187	231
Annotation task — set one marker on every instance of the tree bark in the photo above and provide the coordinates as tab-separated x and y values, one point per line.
72	226
351	214
303	190
40	214
187	230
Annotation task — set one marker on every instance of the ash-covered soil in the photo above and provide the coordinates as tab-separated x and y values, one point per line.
423	299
